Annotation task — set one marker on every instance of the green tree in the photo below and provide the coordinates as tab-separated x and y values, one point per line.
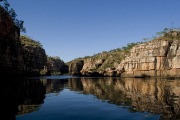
19	23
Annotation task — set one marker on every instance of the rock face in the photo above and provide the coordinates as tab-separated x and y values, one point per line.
18	56
159	58
56	66
96	67
10	46
34	56
76	67
101	64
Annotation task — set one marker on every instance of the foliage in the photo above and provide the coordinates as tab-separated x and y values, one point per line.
25	40
165	34
111	59
107	59
170	34
34	55
19	23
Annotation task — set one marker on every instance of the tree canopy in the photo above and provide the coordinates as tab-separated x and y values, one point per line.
19	23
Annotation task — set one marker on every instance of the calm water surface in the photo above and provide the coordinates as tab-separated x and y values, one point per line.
67	98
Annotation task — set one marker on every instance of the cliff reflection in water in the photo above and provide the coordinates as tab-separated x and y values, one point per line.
32	96
20	96
35	91
157	96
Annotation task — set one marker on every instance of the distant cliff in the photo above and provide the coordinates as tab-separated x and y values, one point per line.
157	58
21	55
56	66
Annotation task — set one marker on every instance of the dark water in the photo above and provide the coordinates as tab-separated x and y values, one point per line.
67	98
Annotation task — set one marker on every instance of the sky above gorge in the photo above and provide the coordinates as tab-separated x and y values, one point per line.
77	28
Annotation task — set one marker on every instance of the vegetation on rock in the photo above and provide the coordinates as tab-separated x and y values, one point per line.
19	23
10	46
105	60
169	34
56	66
140	56
34	55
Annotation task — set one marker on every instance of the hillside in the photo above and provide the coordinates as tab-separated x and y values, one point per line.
157	57
101	63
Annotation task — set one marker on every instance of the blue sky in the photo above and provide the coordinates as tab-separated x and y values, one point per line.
77	28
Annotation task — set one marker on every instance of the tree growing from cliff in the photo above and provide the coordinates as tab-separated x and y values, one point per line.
19	23
170	33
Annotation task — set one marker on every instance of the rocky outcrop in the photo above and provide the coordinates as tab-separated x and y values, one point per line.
76	67
56	66
101	64
99	67
90	66
34	56
18	56
158	58
10	47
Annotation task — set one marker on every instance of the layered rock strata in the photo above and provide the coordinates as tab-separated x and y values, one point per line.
160	58
157	58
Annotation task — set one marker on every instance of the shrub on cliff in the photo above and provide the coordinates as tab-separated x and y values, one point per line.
165	34
19	23
106	59
34	55
170	34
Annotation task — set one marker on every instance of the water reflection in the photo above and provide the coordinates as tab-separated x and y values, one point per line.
54	85
20	96
153	95
157	96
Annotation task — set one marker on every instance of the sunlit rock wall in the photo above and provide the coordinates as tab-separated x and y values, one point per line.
75	67
159	58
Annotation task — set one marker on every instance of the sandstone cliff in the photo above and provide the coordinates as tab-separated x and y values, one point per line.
10	46
75	67
102	64
34	56
18	55
56	66
157	58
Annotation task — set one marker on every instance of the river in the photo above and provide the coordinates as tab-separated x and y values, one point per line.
92	98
